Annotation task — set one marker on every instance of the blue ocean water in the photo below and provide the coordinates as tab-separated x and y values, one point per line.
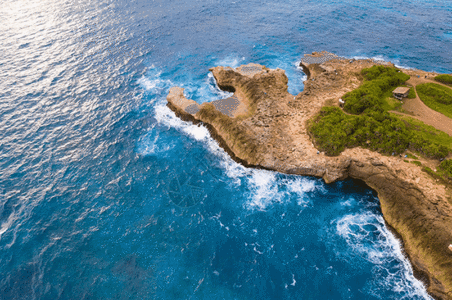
105	194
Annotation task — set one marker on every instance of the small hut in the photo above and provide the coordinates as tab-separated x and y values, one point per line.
401	92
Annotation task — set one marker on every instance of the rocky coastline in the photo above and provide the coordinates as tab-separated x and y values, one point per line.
264	126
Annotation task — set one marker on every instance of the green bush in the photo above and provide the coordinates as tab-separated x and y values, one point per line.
369	96
446	166
333	131
436	97
328	138
444	78
412	93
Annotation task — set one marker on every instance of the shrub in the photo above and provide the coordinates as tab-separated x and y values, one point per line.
446	166
444	78
326	130
333	131
368	97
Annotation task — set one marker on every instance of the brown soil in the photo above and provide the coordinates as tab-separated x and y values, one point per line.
273	135
415	108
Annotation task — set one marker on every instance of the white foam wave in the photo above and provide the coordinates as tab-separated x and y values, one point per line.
6	225
206	92
357	57
266	189
300	69
355	229
349	202
231	61
300	186
155	85
165	116
367	236
153	82
213	86
403	67
153	143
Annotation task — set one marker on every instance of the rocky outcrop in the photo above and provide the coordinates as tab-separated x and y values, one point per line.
265	126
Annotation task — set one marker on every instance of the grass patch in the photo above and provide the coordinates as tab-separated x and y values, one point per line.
371	126
412	93
444	78
443	173
436	97
422	131
390	103
417	163
431	172
409	155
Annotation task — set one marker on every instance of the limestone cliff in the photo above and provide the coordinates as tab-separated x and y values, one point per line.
263	125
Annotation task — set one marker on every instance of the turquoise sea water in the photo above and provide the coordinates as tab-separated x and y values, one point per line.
105	194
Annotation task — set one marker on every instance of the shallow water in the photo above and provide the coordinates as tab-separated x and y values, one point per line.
105	194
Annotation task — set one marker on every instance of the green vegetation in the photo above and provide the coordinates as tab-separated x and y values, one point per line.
427	132
446	167
431	172
333	131
409	155
372	127
444	78
443	173
412	93
370	95
417	163
391	103
436	97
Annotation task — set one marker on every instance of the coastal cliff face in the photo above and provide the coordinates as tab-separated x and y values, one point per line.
264	126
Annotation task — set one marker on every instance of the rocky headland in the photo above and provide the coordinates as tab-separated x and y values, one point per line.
263	125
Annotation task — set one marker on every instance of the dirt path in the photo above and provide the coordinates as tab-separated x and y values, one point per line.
424	113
